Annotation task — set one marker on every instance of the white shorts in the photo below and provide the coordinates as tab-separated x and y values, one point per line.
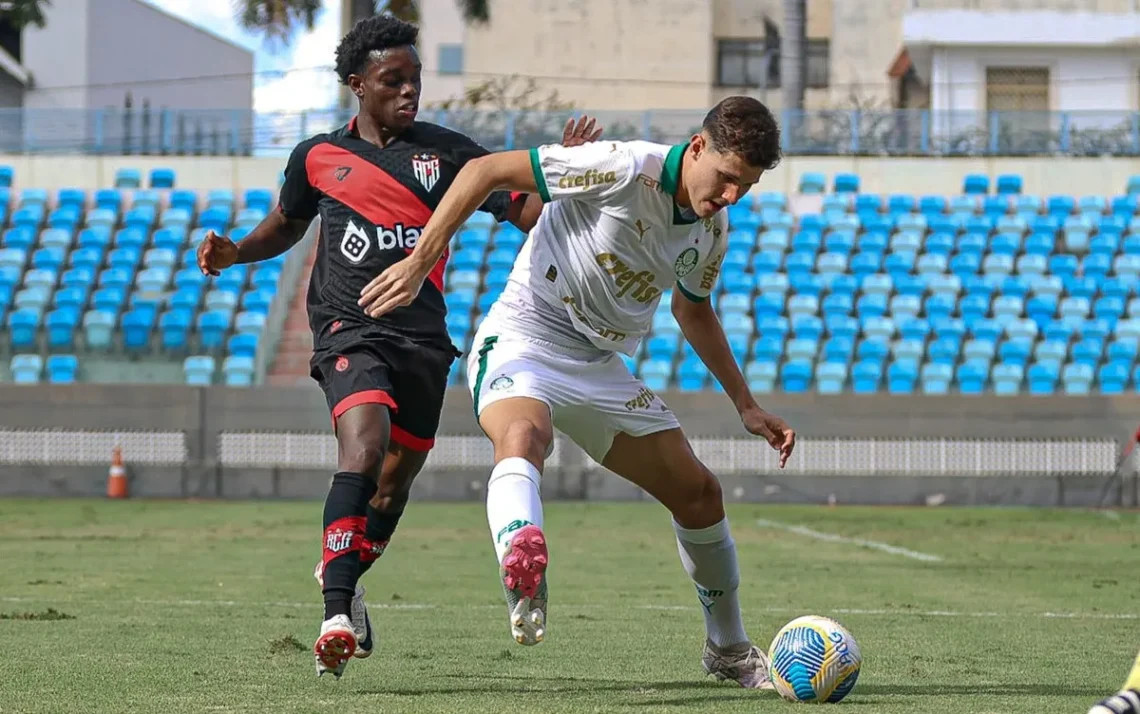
590	401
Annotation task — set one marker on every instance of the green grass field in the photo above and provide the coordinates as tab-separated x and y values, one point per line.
211	607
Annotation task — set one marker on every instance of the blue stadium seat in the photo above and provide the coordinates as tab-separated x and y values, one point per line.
1008	184
761	376
98	329
61	325
830	377
23	325
246	345
249	323
212	328
199	370
978	184
1077	378
238	371
175	328
972	377
796	377
656	374
936	378
1015	352
1088	351
136	328
902	377
1042	378
26	368
1007	379
879	328
1112	377
62	369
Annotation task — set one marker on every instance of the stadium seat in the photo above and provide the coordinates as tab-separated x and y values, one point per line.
199	370
1077	378
238	371
866	377
936	378
62	369
1007	379
830	377
23	325
26	368
796	377
1112	377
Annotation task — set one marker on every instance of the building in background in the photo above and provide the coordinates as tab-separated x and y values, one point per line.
103	54
957	55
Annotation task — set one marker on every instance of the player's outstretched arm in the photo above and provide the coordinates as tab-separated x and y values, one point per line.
701	327
398	285
272	237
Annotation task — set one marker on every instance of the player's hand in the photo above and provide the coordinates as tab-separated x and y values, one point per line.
779	435
397	286
581	133
216	253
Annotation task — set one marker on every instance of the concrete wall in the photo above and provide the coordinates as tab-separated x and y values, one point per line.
275	443
134	47
1080	80
56	57
441	24
1043	175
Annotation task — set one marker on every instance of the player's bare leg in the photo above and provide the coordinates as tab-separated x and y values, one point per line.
1127	700
362	444
664	465
521	431
401	466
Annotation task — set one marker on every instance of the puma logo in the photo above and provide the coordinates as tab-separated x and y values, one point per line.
642	229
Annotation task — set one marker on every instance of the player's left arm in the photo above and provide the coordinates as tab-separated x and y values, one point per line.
692	306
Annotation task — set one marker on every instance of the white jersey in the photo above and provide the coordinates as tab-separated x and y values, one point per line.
611	240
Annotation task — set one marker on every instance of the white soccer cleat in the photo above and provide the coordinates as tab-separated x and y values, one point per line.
744	664
361	625
335	645
524	582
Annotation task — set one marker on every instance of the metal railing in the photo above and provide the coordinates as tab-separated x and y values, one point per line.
904	132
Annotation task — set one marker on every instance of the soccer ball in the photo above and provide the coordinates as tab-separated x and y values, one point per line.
814	659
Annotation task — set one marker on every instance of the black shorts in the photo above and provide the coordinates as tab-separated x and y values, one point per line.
356	364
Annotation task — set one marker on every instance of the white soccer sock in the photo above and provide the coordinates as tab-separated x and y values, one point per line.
709	557
513	500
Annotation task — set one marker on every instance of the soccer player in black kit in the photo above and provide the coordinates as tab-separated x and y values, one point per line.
374	183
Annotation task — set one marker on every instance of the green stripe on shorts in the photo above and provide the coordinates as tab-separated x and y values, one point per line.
488	345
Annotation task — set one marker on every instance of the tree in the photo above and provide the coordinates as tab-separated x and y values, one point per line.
21	13
279	18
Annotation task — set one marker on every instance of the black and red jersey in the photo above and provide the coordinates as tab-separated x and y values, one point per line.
374	203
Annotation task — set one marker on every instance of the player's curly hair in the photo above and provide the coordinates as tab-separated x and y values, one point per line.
372	34
745	127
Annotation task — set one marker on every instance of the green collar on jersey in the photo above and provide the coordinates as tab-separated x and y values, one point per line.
670	176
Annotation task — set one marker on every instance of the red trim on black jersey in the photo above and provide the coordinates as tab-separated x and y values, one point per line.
370	191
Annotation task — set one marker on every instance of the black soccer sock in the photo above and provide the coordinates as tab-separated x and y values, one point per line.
377	532
344	518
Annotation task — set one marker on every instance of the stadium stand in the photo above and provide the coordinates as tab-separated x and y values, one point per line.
104	287
988	291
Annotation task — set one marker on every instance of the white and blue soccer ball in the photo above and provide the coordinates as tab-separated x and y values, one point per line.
814	659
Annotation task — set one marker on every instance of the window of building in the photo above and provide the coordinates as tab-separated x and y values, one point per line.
1017	89
451	59
818	52
740	63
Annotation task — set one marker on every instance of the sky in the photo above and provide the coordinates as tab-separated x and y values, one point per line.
285	80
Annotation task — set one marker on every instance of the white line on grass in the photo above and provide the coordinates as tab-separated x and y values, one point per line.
833	538
316	605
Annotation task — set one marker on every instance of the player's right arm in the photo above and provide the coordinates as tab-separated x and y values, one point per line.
277	232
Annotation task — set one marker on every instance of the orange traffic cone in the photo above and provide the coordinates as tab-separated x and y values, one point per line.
117	479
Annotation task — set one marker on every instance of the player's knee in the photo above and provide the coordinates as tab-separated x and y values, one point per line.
525	439
364	456
699	503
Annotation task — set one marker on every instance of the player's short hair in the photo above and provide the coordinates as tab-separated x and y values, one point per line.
372	34
745	127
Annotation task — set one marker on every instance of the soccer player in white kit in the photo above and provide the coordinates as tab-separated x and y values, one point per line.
624	222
